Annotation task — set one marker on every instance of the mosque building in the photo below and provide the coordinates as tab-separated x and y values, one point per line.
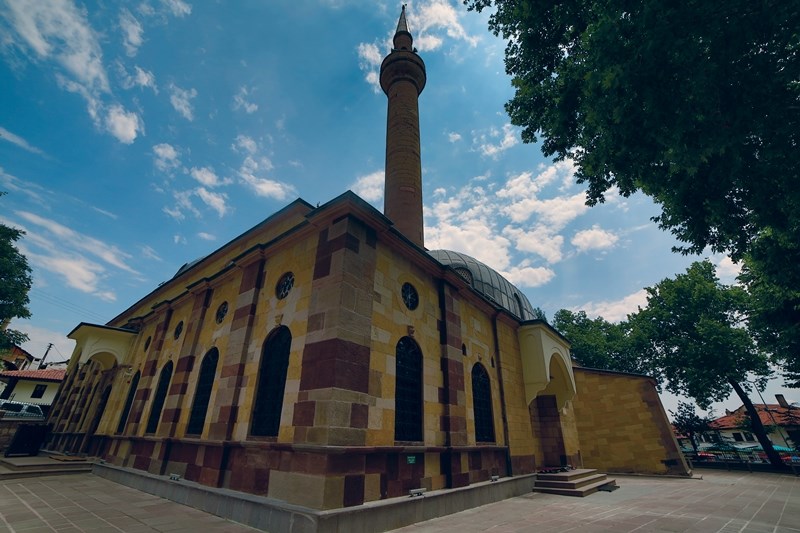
325	358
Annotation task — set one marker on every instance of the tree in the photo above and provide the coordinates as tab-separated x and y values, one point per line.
696	104
774	311
699	344
597	343
15	282
689	423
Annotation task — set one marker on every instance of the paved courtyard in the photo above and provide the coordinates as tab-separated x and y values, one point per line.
721	501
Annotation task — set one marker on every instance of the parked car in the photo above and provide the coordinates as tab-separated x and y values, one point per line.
12	409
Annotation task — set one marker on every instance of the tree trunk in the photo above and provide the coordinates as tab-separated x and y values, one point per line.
758	428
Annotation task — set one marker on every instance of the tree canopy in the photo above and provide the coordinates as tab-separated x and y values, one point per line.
15	282
696	104
689	423
698	341
597	343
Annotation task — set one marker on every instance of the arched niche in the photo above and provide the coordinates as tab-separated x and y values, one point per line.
546	365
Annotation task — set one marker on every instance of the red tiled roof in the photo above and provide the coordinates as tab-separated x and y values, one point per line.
782	416
47	374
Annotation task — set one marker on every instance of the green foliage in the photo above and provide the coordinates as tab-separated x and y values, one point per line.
693	103
15	282
689	423
774	308
696	336
597	343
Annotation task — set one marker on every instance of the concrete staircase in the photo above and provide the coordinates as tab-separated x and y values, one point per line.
42	465
579	482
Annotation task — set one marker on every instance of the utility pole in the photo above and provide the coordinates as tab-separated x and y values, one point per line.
41	361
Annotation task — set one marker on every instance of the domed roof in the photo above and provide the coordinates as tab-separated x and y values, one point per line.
488	282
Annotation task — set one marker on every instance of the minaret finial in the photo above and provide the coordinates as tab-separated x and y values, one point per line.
402	37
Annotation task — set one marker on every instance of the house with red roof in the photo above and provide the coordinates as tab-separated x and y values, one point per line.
15	358
782	421
32	386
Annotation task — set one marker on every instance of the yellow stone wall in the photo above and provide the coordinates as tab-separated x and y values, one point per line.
478	337
622	426
392	320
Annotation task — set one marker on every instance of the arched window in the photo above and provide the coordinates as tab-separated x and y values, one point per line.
482	404
271	383
408	391
158	401
128	402
208	369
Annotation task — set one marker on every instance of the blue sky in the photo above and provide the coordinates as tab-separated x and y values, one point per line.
138	136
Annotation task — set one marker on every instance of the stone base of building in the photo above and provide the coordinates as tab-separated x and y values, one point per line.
274	515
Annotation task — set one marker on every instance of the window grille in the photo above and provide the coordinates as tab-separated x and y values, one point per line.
408	391
205	381
158	401
482	404
271	384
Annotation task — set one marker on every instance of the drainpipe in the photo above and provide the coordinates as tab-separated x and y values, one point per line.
509	471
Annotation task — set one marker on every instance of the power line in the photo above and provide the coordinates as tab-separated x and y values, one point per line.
67	305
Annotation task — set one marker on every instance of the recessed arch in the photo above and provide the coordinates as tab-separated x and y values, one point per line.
202	394
128	402
161	395
408	391
271	384
482	404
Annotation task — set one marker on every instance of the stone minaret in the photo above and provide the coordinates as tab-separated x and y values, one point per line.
402	79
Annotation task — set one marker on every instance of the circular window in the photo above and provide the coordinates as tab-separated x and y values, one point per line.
284	285
178	330
147	343
222	310
410	296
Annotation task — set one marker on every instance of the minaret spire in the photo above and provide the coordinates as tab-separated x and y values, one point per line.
403	79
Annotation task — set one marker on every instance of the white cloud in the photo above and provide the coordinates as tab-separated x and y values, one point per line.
131	32
140	78
245	144
523	193
166	157
429	23
109	214
370	186
179	239
19	141
268	188
150	253
181	100
489	148
727	270
539	240
206	236
60	30
178	8
123	125
453	137
39	338
369	59
206	176
240	101
214	200
71	239
615	310
527	276
594	239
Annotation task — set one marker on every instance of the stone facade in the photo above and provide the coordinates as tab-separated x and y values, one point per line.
309	319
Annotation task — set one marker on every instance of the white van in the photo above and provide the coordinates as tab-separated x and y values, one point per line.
12	409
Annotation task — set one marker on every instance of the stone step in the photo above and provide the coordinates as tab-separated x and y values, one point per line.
574	483
581	492
42	465
569	475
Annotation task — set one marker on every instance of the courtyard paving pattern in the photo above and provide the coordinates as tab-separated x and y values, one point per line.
721	501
